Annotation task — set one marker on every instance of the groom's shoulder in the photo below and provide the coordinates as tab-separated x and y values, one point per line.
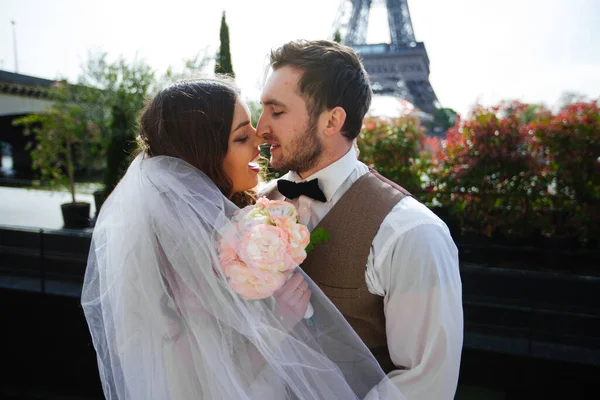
389	183
410	212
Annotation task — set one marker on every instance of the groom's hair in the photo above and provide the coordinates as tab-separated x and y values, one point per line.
332	76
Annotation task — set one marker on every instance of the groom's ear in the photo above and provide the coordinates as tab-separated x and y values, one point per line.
335	120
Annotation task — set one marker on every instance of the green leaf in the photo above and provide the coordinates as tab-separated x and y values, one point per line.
317	236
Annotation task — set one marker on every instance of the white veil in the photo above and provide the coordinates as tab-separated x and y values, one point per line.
166	324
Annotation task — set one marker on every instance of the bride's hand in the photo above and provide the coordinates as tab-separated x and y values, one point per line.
292	300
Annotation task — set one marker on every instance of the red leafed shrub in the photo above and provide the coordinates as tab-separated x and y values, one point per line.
569	143
487	173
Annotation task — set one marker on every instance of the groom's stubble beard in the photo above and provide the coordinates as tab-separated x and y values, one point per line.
304	151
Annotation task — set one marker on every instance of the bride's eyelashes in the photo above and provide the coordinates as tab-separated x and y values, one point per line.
242	140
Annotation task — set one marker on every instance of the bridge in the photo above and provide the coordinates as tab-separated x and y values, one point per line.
20	95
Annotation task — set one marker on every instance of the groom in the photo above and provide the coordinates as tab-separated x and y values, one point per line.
390	265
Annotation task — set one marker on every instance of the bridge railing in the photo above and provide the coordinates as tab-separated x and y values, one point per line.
43	260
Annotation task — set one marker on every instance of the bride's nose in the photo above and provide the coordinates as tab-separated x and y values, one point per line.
257	139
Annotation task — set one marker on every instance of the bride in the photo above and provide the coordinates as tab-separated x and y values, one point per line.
163	319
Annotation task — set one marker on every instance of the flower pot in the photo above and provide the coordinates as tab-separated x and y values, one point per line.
76	215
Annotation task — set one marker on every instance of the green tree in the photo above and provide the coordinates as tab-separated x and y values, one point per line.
570	97
337	37
396	149
135	83
255	110
443	119
267	172
119	90
223	63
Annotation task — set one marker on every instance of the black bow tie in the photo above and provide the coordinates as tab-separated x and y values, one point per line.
292	190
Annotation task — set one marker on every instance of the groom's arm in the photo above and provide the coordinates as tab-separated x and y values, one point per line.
418	271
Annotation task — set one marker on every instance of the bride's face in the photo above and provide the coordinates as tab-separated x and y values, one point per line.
242	151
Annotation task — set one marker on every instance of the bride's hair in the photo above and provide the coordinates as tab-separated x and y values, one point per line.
191	120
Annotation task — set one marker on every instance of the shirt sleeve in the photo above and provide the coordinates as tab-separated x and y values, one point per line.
419	274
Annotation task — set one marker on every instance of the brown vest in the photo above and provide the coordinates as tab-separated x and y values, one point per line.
338	265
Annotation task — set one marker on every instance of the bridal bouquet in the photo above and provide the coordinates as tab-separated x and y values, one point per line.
263	244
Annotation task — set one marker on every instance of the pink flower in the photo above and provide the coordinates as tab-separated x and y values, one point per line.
228	243
264	247
248	217
227	255
298	237
277	208
253	284
262	202
263	241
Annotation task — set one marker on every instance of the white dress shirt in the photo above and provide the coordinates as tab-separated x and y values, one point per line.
413	264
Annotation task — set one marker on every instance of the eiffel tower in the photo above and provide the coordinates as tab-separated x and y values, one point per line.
399	68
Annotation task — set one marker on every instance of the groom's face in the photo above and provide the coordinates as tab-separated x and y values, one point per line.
286	125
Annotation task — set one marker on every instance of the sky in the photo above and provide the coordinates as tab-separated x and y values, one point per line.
480	50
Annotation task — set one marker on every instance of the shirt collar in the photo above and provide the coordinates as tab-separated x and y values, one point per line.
331	177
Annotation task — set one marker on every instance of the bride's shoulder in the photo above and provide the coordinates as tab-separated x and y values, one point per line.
265	188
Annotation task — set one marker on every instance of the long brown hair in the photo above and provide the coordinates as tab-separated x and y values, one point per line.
191	120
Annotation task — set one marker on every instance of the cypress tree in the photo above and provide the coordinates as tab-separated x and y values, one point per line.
337	37
223	60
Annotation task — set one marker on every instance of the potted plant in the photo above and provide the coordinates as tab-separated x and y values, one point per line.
59	141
